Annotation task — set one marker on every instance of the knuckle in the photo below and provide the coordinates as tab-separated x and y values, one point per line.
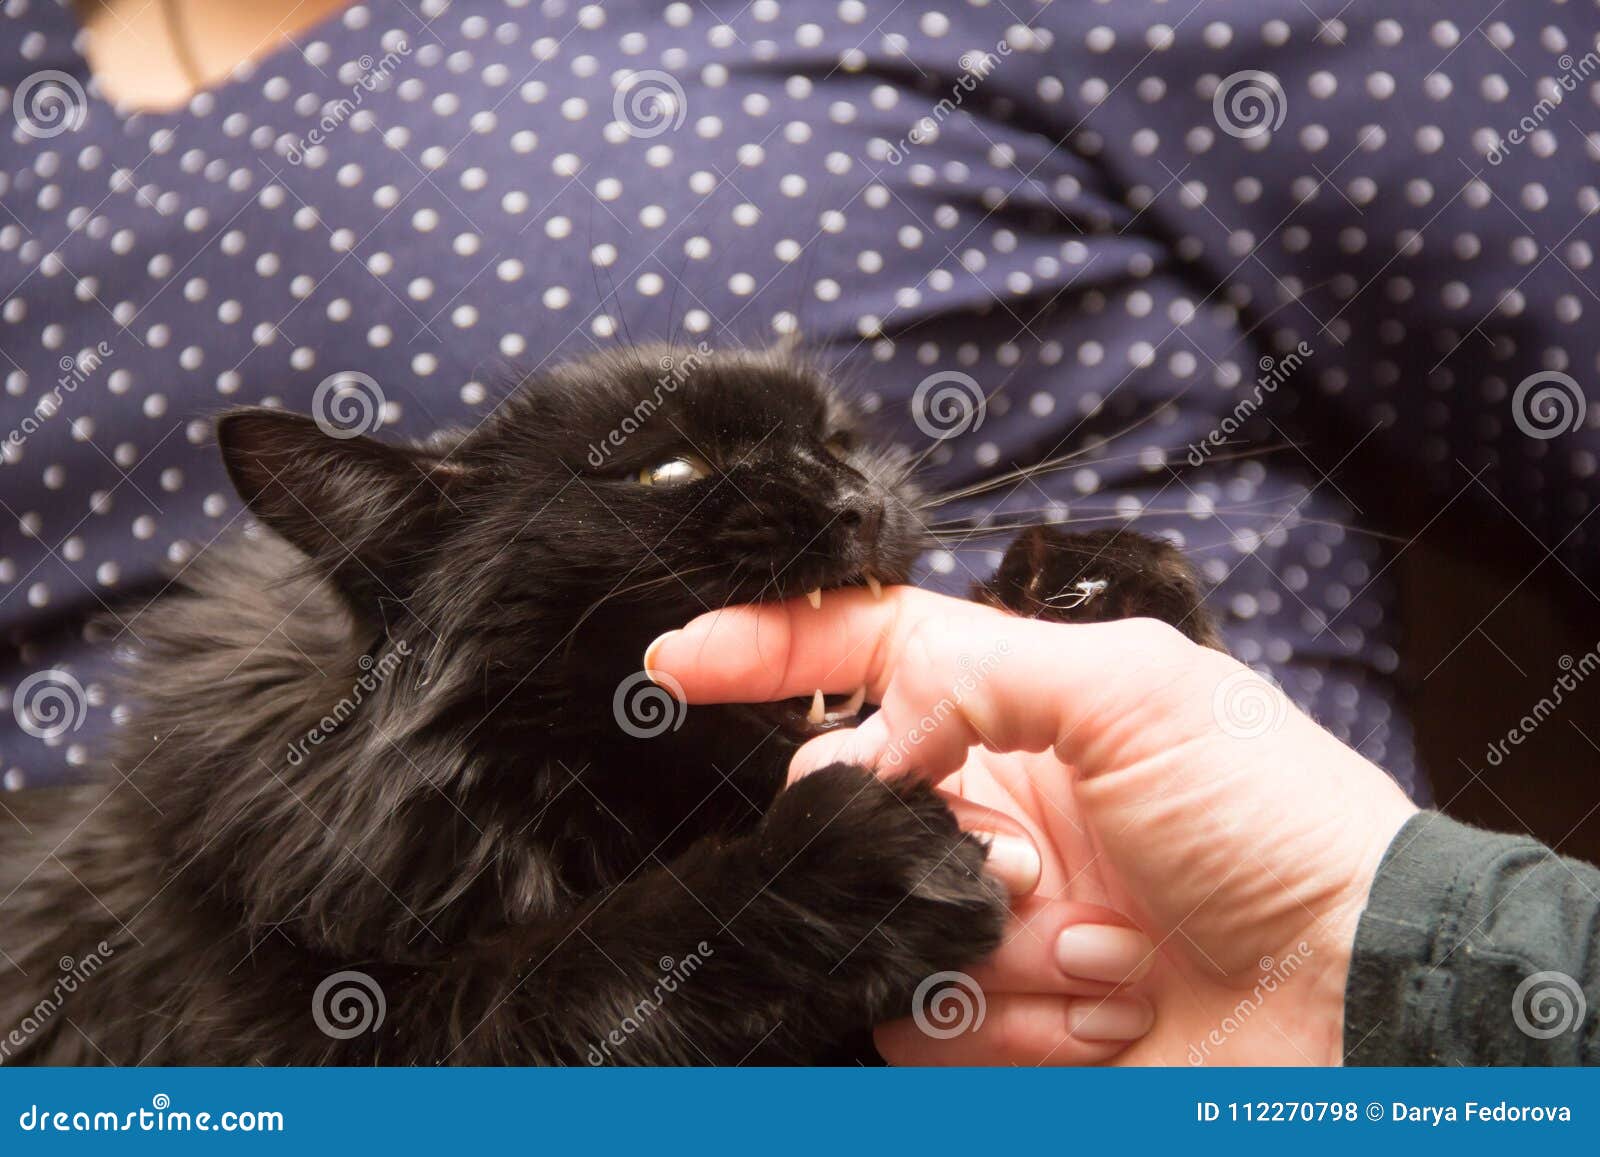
1152	636
930	640
1025	1031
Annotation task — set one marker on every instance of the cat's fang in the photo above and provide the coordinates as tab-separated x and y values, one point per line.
848	711
874	585
814	597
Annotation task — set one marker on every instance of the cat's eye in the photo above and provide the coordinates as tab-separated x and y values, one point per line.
674	471
840	445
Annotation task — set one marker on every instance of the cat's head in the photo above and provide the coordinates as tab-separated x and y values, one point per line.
528	561
424	720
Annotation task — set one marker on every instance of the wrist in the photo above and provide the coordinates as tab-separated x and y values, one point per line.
1335	934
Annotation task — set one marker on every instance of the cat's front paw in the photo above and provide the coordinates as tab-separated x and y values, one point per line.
1098	576
893	888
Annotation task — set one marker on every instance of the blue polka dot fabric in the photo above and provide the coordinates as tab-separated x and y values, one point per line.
1212	251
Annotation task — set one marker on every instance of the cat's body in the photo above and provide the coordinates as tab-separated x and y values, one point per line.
392	752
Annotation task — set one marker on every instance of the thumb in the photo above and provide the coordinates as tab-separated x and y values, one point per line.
1014	858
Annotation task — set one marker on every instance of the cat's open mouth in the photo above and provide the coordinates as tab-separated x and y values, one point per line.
803	717
868	579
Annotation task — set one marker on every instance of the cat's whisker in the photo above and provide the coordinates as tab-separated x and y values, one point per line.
1060	459
1061	462
1118	511
1289	522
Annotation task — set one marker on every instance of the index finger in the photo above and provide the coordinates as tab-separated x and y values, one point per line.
949	674
756	654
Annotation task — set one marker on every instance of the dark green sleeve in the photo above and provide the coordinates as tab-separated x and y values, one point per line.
1475	949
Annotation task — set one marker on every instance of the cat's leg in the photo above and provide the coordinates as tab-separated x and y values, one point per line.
1097	576
764	948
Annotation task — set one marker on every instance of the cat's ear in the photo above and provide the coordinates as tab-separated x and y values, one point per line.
360	508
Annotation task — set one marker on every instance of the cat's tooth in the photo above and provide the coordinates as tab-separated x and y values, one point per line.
849	711
814	597
819	709
874	585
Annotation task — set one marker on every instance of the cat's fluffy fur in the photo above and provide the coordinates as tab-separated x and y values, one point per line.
522	879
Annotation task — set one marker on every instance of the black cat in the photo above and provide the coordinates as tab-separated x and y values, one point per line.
388	793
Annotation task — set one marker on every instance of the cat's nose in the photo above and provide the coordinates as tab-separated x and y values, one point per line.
862	515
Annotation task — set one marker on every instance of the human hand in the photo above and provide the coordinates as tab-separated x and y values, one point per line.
1155	777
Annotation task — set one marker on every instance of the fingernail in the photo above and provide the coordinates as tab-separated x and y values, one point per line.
650	651
1105	952
1112	1019
1014	861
